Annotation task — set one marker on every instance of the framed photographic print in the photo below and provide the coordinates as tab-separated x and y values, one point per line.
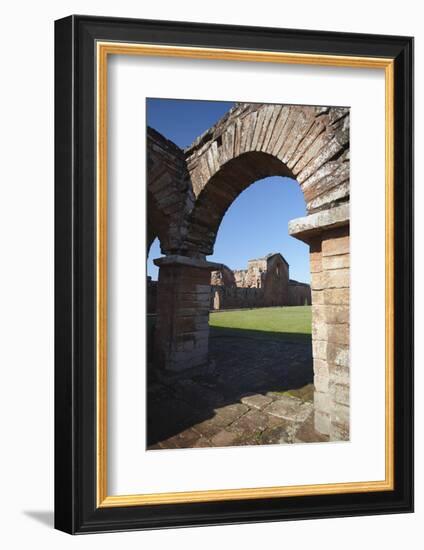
234	266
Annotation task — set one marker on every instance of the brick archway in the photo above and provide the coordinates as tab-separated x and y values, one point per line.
253	141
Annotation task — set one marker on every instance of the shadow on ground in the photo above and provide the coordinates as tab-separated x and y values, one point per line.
259	364
45	517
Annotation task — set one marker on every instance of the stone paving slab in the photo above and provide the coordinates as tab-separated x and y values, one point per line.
224	438
256	401
201	442
290	408
251	422
228	414
260	393
306	393
207	428
183	440
277	434
284	419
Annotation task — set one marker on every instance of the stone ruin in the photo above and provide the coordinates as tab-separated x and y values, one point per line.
190	190
265	283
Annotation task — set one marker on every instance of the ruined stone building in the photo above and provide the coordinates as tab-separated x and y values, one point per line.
264	283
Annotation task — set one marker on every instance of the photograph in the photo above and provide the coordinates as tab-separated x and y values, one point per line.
247	287
211	294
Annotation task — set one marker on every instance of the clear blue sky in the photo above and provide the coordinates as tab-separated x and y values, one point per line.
256	222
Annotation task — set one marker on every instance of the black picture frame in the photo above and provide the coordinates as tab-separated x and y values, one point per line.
76	510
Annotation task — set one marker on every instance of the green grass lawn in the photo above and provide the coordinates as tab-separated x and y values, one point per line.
284	321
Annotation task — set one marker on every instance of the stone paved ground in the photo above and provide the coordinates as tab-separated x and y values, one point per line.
259	392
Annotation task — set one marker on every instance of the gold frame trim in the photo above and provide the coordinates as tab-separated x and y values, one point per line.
104	49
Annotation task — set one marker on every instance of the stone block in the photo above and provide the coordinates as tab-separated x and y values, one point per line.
307	142
329	181
308	434
303	123
318	312
202	442
336	278
276	111
319	330
336	246
187	438
251	422
277	434
315	265
224	438
340	414
337	296
256	401
317	281
282	116
329	147
338	334
323	402
321	368
317	297
325	199
339	433
322	422
207	428
339	374
330	314
321	383
336	262
337	314
340	393
319	349
338	354
289	408
229	413
331	219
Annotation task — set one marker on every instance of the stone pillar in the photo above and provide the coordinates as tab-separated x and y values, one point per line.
330	331
327	233
182	315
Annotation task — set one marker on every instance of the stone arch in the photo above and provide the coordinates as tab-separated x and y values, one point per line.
224	186
157	224
193	189
169	193
253	141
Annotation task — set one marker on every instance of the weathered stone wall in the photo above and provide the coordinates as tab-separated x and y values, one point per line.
231	297
223	297
299	294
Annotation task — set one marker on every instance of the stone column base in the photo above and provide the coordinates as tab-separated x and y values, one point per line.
182	318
